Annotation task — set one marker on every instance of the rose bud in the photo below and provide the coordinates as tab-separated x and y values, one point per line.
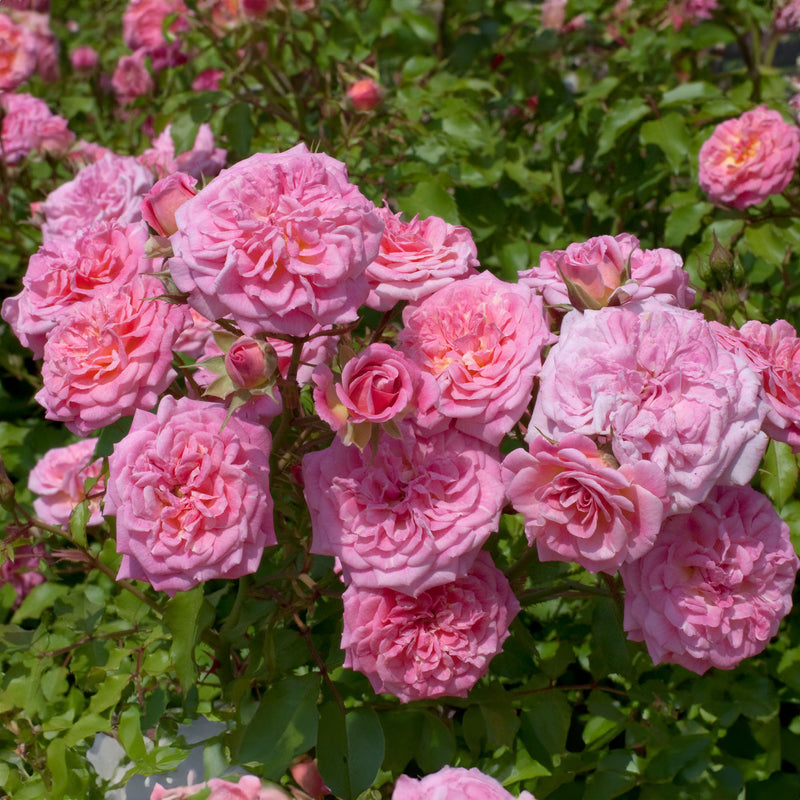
365	94
250	363
164	199
84	58
306	773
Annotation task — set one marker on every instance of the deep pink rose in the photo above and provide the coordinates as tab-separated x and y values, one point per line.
418	258
438	644
248	788
748	158
59	478
203	160
691	11
453	783
65	272
279	242
21	570
164	199
208	80
412	517
28	128
17	54
655	385
131	78
482	339
377	385
110	190
84	58
110	356
716	584
579	507
143	22
364	94
609	270
191	495
773	353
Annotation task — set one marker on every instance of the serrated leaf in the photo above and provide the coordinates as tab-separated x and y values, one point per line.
185	622
130	733
430	198
670	134
624	115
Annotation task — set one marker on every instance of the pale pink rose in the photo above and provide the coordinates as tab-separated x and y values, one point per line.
418	258
84	153
131	78
204	159
453	783
410	518
377	385
438	644
606	270
59	478
143	22
749	158
84	58
208	80
579	507
482	339
279	242
716	584
364	94
787	16
29	128
65	272
196	335
110	356
21	570
248	788
656	387
553	14
17	54
109	190
190	492
164	199
773	353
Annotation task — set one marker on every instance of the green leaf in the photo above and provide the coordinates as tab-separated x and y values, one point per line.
183	618
40	597
616	773
688	93
779	473
670	134
430	198
624	115
78	521
284	725
350	749
109	692
684	221
436	746
130	733
610	651
401	732
765	241
239	129
666	764
545	724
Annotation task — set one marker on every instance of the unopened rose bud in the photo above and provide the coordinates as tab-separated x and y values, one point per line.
365	94
164	199
720	262
250	363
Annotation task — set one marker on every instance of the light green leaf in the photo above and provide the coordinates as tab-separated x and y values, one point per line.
624	115
779	473
670	134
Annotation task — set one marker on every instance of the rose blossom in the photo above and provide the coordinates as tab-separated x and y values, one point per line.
773	353
787	16
248	788
279	241
84	58
29	128
208	80
716	584
203	160
306	773
609	270
143	22
437	644
411	517
21	570
657	387
748	158
109	357
378	385
131	78
417	258
578	507
250	363
109	190
191	495
164	199
59	478
453	783
482	339
64	272
364	94
17	54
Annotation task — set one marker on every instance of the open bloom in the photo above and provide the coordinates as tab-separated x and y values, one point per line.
191	495
17	53
30	129
279	242
578	507
248	788
453	783
748	158
437	644
716	584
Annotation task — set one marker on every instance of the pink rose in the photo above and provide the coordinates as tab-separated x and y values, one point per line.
17	54
554	14
656	387
418	258
748	158
143	22
787	16
65	272
109	190
773	353
306	773
438	644
364	94
579	507
131	78
208	80
164	199
203	160
716	584
378	385
28	128
410	518
453	783
84	58
191	495
248	788
249	363
110	356
21	570
692	11
279	242
37	26
59	478
482	339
